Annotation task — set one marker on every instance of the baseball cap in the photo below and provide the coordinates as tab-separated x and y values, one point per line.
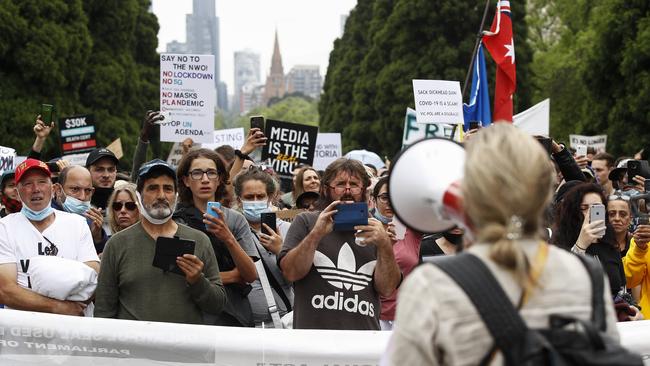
6	175
621	168
156	164
30	164
304	196
100	153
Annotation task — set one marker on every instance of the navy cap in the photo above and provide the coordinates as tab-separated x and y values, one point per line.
6	175
100	153
156	164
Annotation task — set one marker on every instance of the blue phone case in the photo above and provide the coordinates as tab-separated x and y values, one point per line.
210	210
350	215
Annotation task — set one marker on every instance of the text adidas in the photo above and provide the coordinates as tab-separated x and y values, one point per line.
338	301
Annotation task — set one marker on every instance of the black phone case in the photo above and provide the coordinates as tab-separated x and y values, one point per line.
350	215
257	123
167	249
268	218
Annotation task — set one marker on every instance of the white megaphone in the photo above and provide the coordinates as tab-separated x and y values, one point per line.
424	185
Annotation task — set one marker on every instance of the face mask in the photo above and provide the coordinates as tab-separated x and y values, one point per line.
11	205
384	220
253	210
151	219
37	215
75	205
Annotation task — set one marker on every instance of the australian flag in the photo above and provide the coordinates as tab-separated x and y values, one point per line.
478	108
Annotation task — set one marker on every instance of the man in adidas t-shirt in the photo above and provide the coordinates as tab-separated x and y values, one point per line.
337	282
37	230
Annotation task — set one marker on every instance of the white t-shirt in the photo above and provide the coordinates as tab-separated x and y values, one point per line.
67	237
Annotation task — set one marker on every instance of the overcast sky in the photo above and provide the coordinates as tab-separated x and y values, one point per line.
306	29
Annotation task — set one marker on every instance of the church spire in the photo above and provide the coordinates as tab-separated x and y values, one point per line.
276	60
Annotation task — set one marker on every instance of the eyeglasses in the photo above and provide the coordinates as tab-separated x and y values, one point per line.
615	197
117	206
197	174
341	188
383	198
51	249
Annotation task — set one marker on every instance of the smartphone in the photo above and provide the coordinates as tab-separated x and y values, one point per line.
257	122
52	167
581	150
210	209
473	125
597	212
349	215
643	219
546	143
47	113
167	249
269	218
637	167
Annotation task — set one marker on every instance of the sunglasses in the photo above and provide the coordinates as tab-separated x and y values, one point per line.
131	206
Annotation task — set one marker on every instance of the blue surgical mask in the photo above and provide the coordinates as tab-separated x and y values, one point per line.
75	205
384	220
254	209
37	215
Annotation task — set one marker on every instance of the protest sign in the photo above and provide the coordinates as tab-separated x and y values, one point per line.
77	134
175	154
187	97
77	159
599	142
7	158
438	101
289	144
116	148
232	136
414	132
535	120
328	149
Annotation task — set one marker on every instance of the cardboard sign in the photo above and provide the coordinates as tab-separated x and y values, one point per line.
187	97
328	149
438	101
7	158
599	142
232	136
77	133
289	144
116	148
414	132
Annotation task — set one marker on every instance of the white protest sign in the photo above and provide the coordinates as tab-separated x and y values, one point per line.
414	132
7	158
599	142
438	101
232	136
175	154
187	97
328	149
535	120
77	159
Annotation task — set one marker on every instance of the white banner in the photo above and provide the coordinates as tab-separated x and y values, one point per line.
232	136
536	119
438	101
29	338
328	149
7	158
76	159
599	142
414	131
187	97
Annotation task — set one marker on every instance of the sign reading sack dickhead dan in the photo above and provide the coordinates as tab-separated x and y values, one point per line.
438	101
187	97
77	134
289	144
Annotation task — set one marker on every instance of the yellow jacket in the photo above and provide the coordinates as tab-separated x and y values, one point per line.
635	264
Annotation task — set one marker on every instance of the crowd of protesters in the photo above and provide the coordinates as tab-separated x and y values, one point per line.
242	271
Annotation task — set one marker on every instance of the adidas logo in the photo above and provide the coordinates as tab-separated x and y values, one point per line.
344	275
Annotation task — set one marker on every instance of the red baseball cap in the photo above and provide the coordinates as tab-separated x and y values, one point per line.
29	164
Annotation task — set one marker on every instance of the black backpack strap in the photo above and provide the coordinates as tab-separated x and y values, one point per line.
493	305
595	272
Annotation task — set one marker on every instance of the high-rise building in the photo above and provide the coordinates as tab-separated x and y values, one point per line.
247	71
251	96
305	79
202	37
275	82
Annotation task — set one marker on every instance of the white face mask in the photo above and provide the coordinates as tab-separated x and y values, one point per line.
162	215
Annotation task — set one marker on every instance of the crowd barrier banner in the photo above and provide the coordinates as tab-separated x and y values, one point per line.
28	338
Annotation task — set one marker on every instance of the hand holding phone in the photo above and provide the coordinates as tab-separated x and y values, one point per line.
350	215
212	207
581	150
47	113
269	218
255	137
257	122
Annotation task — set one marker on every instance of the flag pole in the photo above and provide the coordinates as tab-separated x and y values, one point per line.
479	35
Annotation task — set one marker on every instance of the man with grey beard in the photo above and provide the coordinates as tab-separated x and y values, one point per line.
132	288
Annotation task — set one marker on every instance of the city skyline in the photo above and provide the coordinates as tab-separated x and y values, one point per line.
306	31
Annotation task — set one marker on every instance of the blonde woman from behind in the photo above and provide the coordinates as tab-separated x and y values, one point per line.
507	184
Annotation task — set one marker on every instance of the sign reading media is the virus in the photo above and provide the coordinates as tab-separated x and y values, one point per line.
289	144
77	134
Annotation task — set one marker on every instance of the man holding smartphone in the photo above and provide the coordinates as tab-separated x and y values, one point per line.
337	283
